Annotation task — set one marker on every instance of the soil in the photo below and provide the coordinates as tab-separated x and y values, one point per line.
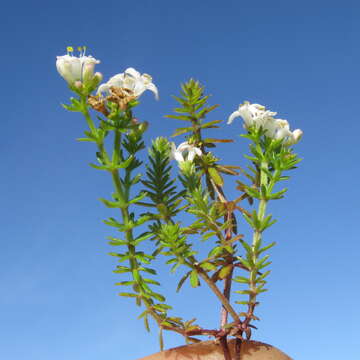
208	350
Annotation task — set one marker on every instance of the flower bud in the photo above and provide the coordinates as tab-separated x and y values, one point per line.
88	71
297	135
294	137
98	77
78	84
143	126
96	80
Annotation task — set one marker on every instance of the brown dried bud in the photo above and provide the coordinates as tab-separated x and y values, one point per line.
120	96
98	104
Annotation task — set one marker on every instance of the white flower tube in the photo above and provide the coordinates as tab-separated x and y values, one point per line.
252	114
73	68
185	147
131	80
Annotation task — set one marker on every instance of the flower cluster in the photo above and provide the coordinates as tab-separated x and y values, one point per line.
256	115
79	72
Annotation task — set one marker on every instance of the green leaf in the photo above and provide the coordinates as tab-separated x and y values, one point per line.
171	261
99	167
208	266
260	262
178	117
244	302
142	238
142	219
263	276
225	271
86	139
182	280
216	251
158	297
116	242
212	140
124	164
246	246
128	295
125	283
246	263
138	198
267	222
148	270
209	235
242	280
162	307
113	204
194	279
249	220
146	324
151	281
181	131
121	270
263	265
244	292
252	192
278	195
216	177
210	124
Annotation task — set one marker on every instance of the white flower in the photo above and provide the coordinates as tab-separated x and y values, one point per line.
191	150
283	132
282	129
294	137
256	115
252	114
131	80
73	68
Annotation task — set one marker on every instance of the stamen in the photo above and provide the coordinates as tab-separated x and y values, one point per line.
69	50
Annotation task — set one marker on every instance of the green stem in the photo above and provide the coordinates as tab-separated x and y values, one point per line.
116	152
87	116
257	237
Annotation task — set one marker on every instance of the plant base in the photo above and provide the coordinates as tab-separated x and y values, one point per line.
209	350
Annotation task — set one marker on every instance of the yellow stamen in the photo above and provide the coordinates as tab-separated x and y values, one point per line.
70	49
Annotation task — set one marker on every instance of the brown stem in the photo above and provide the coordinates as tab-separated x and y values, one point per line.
226	292
202	332
225	348
228	279
238	343
221	297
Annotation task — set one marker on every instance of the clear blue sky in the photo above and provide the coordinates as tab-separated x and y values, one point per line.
300	58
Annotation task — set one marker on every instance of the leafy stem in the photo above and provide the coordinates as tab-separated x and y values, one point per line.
257	237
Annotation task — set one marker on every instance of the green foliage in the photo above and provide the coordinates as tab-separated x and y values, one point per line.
159	184
198	190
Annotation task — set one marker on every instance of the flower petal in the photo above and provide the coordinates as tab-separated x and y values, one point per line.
154	89
234	115
103	88
178	156
132	72
191	155
184	146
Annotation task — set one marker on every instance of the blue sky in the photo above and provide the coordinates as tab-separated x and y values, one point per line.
58	300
